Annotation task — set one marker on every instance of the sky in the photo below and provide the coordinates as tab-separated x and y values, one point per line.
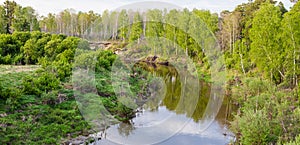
43	7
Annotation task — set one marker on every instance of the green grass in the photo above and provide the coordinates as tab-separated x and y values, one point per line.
11	76
6	69
34	120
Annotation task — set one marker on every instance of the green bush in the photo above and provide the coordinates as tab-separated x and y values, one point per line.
11	96
84	45
254	127
68	43
50	49
85	59
42	83
250	87
105	60
268	115
21	37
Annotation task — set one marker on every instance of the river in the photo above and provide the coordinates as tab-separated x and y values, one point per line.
163	119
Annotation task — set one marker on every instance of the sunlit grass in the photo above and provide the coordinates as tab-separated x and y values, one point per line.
6	69
11	76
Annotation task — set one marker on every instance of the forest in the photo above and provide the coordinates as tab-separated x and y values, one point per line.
260	41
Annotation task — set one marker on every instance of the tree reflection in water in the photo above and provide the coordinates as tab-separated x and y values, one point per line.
125	128
163	87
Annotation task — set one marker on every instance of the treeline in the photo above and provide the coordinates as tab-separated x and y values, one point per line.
126	26
263	38
109	23
69	22
14	17
129	26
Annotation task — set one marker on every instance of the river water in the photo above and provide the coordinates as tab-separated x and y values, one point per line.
165	119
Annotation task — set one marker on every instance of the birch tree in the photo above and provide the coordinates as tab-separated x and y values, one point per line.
266	47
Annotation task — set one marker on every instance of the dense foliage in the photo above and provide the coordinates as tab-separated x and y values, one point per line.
261	44
17	18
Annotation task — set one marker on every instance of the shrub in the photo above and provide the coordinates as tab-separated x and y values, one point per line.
105	60
11	96
84	45
68	43
255	127
21	37
44	82
250	87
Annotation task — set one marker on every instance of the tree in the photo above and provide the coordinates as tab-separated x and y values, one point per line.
106	27
114	24
136	28
211	20
2	20
291	43
247	11
49	24
123	24
294	1
31	18
154	23
30	51
171	19
9	7
66	21
266	51
197	31
154	27
20	23
183	23
230	30
82	23
92	17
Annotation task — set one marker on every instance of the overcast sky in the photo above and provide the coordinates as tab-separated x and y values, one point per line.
43	7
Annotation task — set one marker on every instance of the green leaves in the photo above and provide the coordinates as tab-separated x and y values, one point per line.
45	82
136	28
124	24
291	43
17	18
266	114
266	50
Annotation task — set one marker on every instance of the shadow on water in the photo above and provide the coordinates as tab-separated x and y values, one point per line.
160	100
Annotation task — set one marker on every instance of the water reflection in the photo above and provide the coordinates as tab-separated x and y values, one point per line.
171	114
173	88
125	128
